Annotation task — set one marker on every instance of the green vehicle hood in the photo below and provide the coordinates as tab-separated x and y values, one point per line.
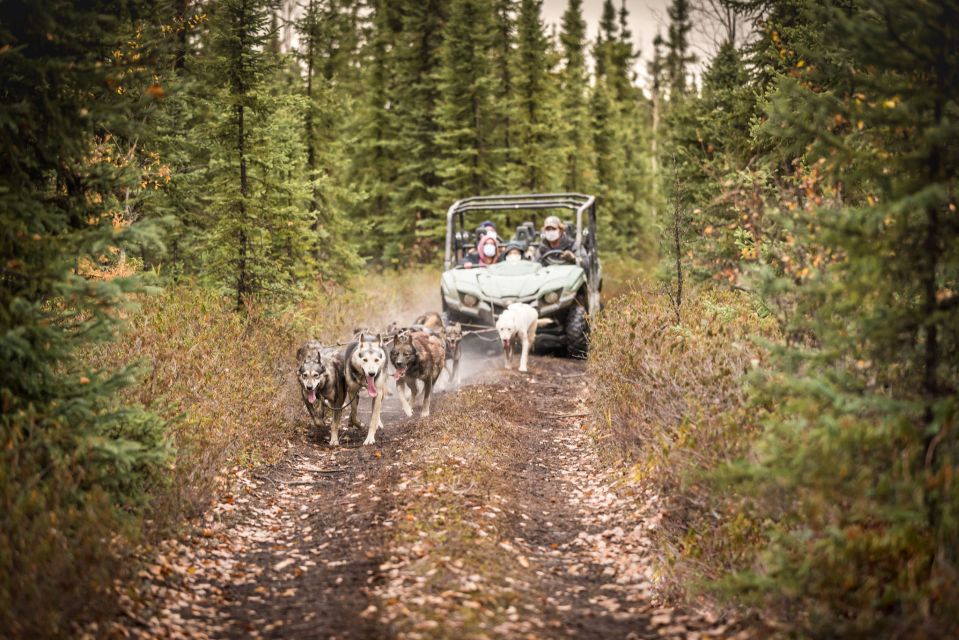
519	280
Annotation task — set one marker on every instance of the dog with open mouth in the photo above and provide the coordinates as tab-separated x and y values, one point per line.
416	356
322	382
366	364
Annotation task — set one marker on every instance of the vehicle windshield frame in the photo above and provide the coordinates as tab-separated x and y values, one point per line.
578	202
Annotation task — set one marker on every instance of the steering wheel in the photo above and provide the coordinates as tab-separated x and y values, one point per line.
553	257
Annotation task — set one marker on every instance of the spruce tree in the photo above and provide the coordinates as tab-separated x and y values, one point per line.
656	69
262	240
537	103
180	139
374	163
633	212
607	150
467	81
574	87
678	55
239	38
77	459
853	473
331	200
415	200
708	148
504	103
605	40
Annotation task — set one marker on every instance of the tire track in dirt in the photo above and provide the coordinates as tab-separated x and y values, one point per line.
572	553
313	548
568	529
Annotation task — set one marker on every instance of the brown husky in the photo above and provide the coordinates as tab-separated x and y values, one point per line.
417	355
452	335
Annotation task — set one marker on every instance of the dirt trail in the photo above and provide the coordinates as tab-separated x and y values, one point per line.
336	543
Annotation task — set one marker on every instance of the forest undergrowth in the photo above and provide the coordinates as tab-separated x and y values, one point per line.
223	384
225	380
669	399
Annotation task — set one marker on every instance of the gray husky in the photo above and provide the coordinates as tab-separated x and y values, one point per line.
365	363
322	381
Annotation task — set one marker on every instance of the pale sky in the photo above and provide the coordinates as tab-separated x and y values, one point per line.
645	18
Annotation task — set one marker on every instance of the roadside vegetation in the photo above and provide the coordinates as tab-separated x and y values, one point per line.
222	381
788	384
190	188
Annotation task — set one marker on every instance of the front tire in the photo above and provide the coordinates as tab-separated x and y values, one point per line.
577	332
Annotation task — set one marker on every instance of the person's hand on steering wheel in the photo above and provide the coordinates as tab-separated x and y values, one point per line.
557	256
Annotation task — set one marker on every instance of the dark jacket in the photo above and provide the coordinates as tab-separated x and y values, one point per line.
565	244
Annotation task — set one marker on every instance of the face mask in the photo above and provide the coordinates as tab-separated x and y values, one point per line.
489	250
513	258
552	235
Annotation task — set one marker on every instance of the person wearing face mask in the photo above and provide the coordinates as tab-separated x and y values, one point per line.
554	238
489	227
487	253
514	252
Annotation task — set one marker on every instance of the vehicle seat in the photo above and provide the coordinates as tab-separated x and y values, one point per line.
525	233
463	241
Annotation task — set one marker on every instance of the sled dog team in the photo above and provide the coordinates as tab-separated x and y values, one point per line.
331	378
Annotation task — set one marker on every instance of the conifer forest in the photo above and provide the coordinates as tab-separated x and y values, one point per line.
224	223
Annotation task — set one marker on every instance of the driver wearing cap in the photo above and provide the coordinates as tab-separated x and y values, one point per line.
554	242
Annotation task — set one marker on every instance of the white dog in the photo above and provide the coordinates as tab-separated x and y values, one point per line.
519	319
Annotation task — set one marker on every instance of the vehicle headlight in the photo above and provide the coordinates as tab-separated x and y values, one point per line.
551	297
470	300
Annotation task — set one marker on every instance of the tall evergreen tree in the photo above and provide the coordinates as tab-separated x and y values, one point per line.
603	48
622	57
415	196
259	201
620	123
504	120
537	103
467	82
656	69
678	55
331	200
574	87
633	214
855	464
76	459
374	164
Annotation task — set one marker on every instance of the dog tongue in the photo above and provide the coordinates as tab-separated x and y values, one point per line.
312	396
370	386
505	344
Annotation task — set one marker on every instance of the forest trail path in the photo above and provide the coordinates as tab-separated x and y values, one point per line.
441	530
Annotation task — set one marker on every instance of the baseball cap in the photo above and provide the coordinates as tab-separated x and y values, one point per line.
552	221
488	223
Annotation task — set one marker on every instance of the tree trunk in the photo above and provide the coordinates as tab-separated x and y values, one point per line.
242	278
678	254
180	18
654	160
310	139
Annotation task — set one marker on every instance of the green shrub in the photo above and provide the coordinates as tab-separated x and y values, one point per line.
77	462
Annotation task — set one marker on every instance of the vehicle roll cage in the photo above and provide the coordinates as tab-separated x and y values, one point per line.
577	202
